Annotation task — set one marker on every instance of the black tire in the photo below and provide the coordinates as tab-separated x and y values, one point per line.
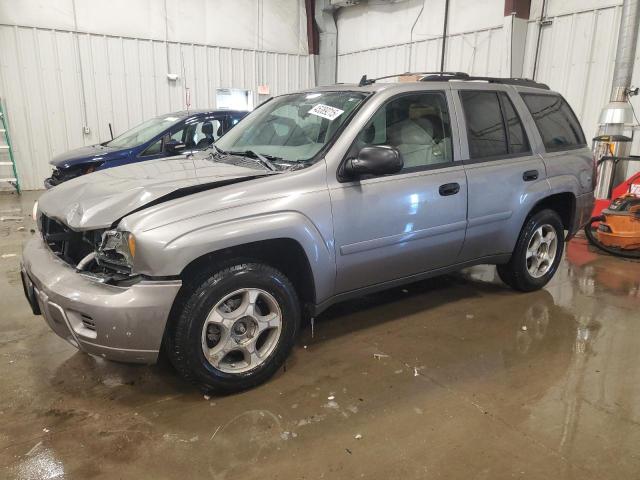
515	273
198	297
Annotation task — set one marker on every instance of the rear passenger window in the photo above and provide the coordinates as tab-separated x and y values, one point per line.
417	124
558	125
518	142
494	128
485	129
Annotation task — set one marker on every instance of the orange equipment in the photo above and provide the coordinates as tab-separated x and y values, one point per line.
618	225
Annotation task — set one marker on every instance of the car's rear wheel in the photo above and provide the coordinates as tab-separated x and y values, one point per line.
537	254
233	328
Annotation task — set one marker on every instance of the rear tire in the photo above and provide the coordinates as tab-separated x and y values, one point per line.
537	254
232	329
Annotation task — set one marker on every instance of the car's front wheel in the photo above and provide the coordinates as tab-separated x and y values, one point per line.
537	254
234	328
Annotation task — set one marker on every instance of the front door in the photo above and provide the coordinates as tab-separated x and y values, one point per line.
394	226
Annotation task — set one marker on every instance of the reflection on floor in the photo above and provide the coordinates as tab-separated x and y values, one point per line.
456	377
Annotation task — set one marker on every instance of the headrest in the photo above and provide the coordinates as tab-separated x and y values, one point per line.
207	128
369	134
410	132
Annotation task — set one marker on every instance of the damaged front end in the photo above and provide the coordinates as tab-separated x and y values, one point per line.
102	254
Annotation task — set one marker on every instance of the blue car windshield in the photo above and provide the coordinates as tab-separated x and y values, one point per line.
143	132
292	127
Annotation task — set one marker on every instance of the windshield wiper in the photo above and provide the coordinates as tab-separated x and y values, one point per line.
261	159
269	161
218	149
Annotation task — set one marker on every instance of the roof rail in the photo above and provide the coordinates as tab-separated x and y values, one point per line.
364	81
446	76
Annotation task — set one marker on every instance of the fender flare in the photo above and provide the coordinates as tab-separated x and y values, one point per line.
187	246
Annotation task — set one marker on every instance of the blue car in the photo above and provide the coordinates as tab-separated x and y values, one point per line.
163	136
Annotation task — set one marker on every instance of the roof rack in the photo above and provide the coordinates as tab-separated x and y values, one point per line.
364	81
447	76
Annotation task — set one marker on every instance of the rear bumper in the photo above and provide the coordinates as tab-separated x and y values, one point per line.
118	323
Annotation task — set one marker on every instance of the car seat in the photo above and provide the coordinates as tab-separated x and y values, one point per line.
208	139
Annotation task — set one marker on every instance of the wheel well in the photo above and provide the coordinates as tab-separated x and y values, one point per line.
285	254
563	203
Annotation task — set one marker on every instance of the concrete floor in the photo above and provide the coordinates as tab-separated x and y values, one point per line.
457	377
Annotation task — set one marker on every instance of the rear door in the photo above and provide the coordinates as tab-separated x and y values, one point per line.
568	159
505	174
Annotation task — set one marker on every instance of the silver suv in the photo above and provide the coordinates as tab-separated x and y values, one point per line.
313	198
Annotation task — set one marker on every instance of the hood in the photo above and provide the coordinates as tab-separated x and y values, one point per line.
89	154
99	199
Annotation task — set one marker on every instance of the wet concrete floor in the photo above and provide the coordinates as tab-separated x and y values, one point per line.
456	377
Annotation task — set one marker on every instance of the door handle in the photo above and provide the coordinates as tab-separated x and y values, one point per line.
449	189
530	175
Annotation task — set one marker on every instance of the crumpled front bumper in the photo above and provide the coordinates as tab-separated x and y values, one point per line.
119	323
50	183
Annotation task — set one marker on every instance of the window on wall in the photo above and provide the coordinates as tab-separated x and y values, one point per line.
417	125
558	125
493	126
234	99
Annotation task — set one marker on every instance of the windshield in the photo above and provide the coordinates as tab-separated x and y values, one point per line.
292	127
143	132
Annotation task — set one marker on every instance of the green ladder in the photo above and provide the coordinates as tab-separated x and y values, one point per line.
5	146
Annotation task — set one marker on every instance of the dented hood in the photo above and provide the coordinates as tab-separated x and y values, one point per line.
99	199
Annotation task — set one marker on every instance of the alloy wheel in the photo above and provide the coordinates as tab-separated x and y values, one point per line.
242	330
541	251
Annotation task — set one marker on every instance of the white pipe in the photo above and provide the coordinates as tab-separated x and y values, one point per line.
85	261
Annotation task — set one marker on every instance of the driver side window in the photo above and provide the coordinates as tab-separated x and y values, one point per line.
418	125
153	149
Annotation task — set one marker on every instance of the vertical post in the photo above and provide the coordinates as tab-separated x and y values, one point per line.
516	16
326	72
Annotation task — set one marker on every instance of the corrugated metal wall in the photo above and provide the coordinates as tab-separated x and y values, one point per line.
125	82
576	58
477	52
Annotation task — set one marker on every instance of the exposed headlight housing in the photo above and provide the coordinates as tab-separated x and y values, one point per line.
117	251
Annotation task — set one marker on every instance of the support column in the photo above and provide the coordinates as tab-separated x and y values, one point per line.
327	60
516	16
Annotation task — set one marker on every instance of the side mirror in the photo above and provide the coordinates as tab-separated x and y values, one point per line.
374	160
174	146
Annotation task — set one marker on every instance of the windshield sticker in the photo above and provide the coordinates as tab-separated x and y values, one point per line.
325	111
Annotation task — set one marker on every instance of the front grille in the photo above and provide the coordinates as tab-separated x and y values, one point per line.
69	245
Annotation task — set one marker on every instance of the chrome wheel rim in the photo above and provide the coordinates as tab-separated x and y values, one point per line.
242	330
541	251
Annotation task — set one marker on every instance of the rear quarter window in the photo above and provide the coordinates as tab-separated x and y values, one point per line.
556	122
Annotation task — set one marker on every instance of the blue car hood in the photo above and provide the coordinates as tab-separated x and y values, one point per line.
86	155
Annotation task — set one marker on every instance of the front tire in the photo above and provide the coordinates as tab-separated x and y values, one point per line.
537	254
234	328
